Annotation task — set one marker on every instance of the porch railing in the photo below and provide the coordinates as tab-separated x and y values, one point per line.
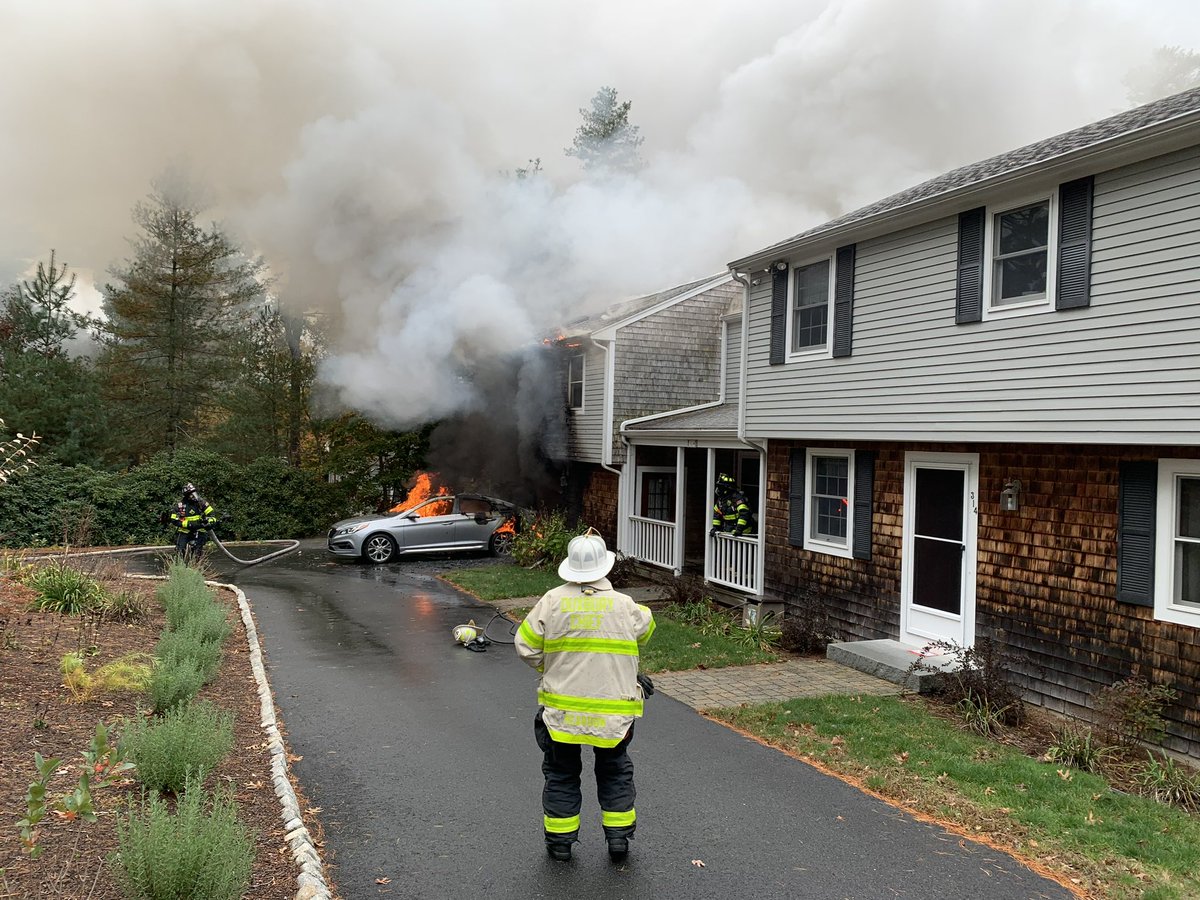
733	562
652	541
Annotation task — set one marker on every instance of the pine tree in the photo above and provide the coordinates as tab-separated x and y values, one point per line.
37	315
606	140
174	316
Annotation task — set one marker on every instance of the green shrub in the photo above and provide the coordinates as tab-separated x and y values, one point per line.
1077	747
189	740
175	681
184	595
65	590
124	606
261	500
544	540
176	646
201	851
1169	782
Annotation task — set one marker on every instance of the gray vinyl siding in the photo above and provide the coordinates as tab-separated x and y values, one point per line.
1122	370
586	425
733	359
671	359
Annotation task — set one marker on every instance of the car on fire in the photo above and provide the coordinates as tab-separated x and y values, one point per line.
458	522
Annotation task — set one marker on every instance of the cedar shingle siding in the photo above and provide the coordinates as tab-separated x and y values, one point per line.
1047	574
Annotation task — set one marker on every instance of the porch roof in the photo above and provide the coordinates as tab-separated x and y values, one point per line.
720	419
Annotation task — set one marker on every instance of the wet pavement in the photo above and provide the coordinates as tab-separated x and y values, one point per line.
420	755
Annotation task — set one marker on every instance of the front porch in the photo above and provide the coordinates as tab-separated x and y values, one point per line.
667	499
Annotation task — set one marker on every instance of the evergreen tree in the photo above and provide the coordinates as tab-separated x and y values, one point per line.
36	316
606	140
42	388
174	316
268	404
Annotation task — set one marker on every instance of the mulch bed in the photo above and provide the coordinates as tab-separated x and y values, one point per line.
38	713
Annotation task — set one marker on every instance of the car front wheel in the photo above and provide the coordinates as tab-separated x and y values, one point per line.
501	544
379	548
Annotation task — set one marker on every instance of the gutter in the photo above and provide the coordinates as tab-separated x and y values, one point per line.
743	351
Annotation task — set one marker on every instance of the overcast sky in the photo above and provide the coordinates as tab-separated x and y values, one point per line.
362	145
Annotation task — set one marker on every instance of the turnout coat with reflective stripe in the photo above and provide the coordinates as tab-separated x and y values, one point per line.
584	639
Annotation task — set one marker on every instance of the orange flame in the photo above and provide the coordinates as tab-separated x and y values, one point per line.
423	488
509	527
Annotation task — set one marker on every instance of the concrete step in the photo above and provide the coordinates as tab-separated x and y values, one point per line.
892	661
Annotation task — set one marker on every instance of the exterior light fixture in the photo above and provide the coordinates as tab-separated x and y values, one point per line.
1010	497
779	266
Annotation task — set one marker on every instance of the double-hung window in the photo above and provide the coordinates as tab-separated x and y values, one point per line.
1177	538
810	307
1021	271
830	486
575	380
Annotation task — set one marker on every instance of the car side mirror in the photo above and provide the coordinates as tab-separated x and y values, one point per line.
481	518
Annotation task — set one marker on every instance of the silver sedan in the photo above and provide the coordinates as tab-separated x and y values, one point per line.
461	522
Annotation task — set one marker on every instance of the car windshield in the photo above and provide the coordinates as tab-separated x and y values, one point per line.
434	506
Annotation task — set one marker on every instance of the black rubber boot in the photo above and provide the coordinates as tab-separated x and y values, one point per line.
618	848
560	850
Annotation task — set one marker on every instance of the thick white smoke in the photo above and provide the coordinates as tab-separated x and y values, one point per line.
366	147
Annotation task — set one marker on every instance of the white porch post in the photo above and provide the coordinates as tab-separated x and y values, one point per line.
709	486
680	496
626	496
760	565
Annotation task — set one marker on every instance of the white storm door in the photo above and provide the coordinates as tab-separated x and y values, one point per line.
939	558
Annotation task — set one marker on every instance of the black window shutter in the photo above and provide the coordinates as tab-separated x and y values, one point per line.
1074	244
968	301
778	314
843	302
864	491
1136	507
796	498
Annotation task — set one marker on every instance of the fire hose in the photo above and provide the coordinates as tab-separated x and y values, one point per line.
292	545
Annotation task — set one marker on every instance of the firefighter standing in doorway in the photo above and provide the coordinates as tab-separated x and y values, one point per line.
584	639
192	517
731	512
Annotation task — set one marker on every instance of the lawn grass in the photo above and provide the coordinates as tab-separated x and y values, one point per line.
1119	845
675	647
503	582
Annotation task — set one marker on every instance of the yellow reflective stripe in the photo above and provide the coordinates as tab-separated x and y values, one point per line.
592	645
565	737
561	826
590	704
649	631
617	819
529	636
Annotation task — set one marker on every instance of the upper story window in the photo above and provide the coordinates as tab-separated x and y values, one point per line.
828	525
1022	254
575	380
1177	551
1021	273
810	307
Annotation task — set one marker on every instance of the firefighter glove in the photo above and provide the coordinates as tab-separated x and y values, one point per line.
647	685
712	532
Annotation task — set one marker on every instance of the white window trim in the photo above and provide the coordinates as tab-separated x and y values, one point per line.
1011	310
825	352
1165	608
582	381
816	544
637	487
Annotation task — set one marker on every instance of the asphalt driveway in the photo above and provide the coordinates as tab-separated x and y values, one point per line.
421	756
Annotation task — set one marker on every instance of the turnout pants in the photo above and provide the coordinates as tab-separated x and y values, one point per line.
562	795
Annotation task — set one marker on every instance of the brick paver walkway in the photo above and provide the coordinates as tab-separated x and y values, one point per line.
734	685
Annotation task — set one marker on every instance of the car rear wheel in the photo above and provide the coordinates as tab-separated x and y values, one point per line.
501	544
379	548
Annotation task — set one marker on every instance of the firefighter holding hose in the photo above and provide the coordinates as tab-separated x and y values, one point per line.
192	517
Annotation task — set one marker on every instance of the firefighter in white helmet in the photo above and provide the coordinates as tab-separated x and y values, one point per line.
584	639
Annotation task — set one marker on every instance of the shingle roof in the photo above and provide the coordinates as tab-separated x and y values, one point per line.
715	418
1124	123
627	308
